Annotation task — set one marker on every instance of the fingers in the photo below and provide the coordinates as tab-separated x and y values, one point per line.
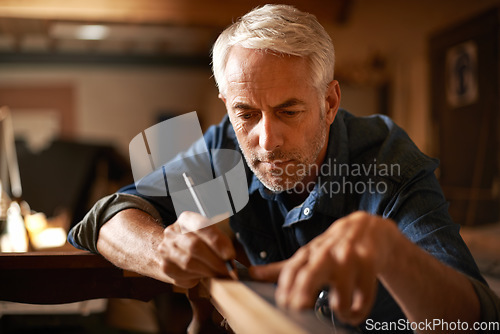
188	257
179	277
287	277
193	255
210	234
363	298
351	296
267	273
337	263
218	242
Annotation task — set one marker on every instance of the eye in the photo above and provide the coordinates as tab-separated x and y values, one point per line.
246	116
290	113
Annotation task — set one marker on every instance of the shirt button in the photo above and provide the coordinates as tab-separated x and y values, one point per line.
263	254
238	235
307	211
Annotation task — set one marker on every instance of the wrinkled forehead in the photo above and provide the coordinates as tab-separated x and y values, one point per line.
251	65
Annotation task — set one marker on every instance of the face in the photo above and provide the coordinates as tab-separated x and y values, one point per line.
280	119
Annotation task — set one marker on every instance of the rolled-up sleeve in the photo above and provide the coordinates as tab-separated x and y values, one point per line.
84	234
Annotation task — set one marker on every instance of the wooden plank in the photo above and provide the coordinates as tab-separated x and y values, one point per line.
249	307
245	311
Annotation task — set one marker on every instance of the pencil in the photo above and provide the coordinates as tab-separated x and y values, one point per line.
189	182
231	269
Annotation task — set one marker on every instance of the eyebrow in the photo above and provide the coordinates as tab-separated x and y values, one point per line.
287	104
242	106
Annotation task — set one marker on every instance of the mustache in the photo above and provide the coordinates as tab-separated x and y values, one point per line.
275	155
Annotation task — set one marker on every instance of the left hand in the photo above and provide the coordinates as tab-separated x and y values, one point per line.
347	257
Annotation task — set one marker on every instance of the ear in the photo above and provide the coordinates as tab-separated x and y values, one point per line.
332	101
222	98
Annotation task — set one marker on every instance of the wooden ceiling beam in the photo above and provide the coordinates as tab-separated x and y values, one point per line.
176	12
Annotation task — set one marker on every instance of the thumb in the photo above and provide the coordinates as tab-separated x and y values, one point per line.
267	273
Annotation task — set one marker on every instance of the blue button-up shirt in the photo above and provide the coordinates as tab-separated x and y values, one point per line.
371	165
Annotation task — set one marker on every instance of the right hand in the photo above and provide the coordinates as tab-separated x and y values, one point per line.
189	257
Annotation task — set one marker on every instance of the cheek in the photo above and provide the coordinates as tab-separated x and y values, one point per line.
242	131
246	133
243	138
239	128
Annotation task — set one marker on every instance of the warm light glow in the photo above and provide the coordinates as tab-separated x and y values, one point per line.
49	238
92	32
35	223
15	238
41	235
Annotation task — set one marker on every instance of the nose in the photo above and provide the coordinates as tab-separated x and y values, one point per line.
270	133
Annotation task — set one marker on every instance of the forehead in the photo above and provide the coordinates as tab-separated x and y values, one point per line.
261	69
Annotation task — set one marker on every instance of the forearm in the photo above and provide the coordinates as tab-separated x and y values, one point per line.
427	289
130	240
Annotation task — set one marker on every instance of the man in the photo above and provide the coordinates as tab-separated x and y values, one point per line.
334	201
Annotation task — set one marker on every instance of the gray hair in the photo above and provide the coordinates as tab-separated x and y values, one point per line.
283	30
